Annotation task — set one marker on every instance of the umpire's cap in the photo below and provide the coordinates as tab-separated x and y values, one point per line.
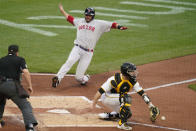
13	48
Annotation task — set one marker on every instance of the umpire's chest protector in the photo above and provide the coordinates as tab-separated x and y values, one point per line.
121	85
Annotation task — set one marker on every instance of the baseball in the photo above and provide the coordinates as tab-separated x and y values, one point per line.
163	118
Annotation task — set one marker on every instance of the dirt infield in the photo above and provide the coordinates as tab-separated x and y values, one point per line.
66	108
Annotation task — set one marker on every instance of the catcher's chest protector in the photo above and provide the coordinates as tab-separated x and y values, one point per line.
120	85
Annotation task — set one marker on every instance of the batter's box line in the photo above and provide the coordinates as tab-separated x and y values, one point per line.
82	97
133	123
89	101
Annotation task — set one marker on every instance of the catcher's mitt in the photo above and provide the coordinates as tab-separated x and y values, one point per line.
154	113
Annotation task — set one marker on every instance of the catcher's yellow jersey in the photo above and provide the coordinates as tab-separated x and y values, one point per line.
117	84
121	85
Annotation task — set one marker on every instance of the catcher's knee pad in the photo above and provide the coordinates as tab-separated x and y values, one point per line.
125	98
125	112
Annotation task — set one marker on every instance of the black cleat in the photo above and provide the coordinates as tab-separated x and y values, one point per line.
55	82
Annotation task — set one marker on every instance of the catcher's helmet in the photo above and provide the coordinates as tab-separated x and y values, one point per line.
129	70
90	11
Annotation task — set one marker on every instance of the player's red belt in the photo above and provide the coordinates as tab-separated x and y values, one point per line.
89	50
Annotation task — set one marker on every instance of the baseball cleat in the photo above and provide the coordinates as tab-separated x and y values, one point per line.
124	126
83	83
55	82
109	116
30	130
30	127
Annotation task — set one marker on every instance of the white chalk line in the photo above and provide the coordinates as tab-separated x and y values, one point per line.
80	125
27	28
89	101
172	11
174	2
57	96
167	85
82	97
156	5
49	74
113	15
49	26
155	126
133	123
163	86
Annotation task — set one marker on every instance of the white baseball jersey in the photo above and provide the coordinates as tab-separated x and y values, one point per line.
89	33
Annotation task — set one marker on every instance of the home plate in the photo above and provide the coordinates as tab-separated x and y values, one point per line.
59	111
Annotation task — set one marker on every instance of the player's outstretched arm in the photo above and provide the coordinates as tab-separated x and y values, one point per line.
63	11
154	111
69	18
117	26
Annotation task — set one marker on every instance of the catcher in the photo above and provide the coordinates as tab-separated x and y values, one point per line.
114	95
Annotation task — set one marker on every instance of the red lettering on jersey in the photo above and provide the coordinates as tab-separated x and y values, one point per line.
86	27
93	29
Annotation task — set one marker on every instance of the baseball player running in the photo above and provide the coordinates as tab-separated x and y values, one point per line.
89	31
114	95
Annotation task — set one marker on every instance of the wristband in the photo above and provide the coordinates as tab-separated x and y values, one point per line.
146	99
119	26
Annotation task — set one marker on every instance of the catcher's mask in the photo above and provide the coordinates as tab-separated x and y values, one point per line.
89	12
129	70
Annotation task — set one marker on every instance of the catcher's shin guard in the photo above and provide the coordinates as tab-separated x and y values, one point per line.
125	113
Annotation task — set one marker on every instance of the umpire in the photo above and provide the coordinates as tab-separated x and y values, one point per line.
11	68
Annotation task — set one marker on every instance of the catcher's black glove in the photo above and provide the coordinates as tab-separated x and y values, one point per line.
154	113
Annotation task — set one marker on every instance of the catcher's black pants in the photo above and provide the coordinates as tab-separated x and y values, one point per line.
8	90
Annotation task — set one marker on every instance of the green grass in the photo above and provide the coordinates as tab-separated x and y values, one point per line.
192	86
166	37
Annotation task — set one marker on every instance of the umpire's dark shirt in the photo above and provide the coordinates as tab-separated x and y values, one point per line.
11	66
